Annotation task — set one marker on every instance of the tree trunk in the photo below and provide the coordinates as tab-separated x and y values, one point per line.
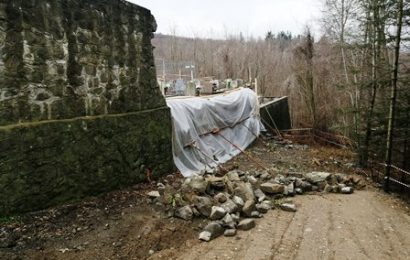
390	129
374	84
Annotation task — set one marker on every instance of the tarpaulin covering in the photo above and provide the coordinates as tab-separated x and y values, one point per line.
207	129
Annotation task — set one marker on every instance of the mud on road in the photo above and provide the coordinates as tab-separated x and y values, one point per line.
125	225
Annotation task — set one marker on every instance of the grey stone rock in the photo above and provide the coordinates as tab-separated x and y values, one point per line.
221	197
316	177
289	190
299	191
335	189
296	175
236	216
321	185
161	186
241	173
359	183
196	212
265	176
216	183
268	203
248	207
272	188
341	177
184	213
205	236
238	201
288	207
246	224
257	174
230	186
215	229
230	232
328	188
263	208
198	184
298	183
332	180
260	195
256	214
340	186
230	206
306	186
217	213
228	221
252	180
281	179
203	204
154	194
245	191
233	176
346	190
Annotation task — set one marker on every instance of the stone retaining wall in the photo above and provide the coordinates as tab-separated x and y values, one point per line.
80	109
69	58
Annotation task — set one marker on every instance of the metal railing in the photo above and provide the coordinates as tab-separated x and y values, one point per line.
388	179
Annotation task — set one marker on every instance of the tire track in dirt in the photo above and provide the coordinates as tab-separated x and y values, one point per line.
262	245
299	238
387	224
357	241
324	227
382	228
278	246
329	230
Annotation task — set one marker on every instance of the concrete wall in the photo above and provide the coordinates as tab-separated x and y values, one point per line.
276	109
80	109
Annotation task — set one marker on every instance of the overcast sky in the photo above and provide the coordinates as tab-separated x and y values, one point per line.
215	18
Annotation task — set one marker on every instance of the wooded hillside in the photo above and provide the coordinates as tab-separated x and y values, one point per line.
352	80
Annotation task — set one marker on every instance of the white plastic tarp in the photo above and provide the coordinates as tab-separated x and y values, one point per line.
207	129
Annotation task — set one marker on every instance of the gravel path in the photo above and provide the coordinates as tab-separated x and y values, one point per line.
364	225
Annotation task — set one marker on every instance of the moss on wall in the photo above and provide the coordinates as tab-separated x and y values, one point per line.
68	58
44	164
80	109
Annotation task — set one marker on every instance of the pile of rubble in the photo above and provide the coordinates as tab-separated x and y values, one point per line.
232	202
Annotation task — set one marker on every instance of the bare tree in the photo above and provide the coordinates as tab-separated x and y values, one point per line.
305	53
393	97
338	15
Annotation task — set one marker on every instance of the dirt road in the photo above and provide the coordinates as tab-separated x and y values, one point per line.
368	224
365	225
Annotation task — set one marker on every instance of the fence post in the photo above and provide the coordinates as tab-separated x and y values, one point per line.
387	178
